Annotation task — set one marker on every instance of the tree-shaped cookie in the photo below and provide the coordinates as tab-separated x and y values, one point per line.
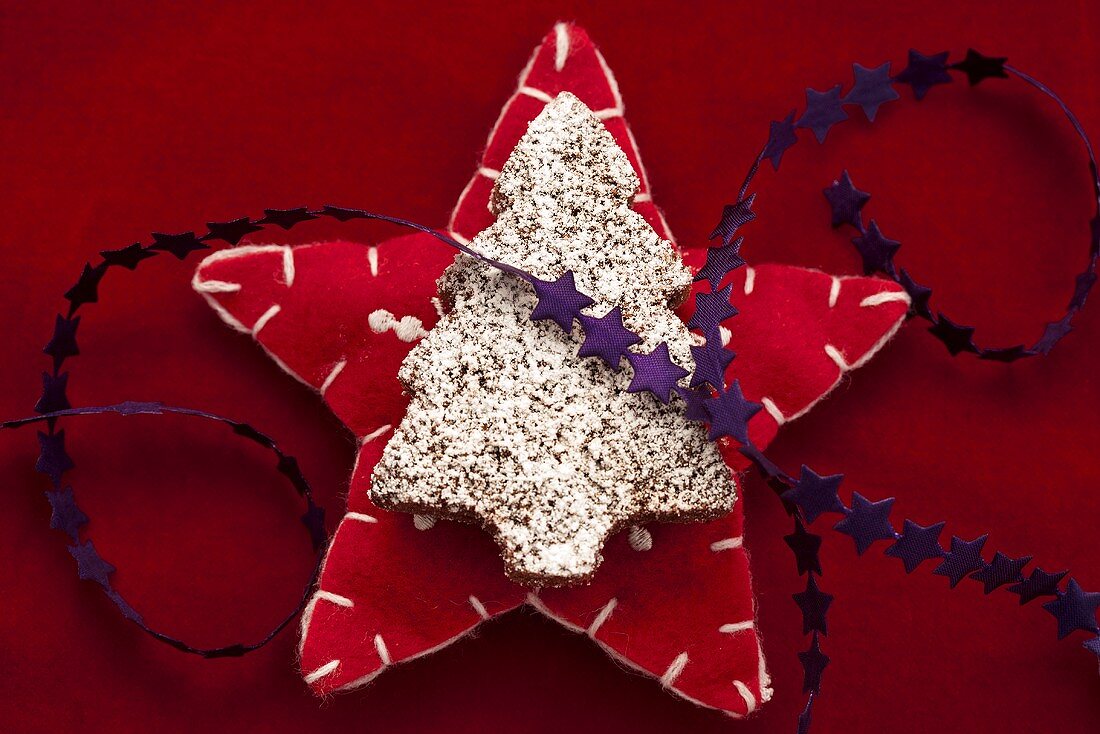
545	437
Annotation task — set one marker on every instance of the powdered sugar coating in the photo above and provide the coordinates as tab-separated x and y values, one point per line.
507	427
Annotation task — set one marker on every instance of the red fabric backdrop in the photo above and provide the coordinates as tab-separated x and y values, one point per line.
120	121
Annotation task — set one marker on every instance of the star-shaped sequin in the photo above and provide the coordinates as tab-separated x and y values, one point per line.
127	257
955	337
655	372
62	344
559	301
846	200
231	232
977	67
606	337
89	565
65	515
730	413
52	459
1075	609
734	216
1039	583
711	309
805	547
918	294
871	89
816	494
1000	571
876	250
964	558
814	604
814	663
286	218
823	110
721	261
86	289
917	544
694	404
711	361
781	136
181	245
867	522
924	72
53	393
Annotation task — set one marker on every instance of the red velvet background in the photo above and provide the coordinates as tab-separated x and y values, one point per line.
122	120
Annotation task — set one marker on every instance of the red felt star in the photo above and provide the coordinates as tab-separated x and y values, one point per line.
673	601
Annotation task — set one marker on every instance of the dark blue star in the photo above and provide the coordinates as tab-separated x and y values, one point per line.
917	544
872	89
65	515
288	467
559	301
918	294
86	289
955	337
1039	583
721	261
1081	287
1093	646
89	566
127	257
867	522
231	232
711	361
286	218
977	67
963	558
342	214
52	459
877	251
1075	609
314	520
805	547
711	309
924	72
814	663
606	337
655	372
62	344
1053	334
730	413
694	404
781	136
1000	571
846	200
734	216
816	494
823	110
814	604
181	245
53	393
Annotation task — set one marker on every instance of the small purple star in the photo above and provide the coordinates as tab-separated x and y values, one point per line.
955	337
978	67
924	72
872	89
1075	609
52	459
1039	583
823	110
1081	287
711	309
730	413
62	344
127	257
781	136
181	245
917	544
655	372
288	467
286	218
814	663
814	604
231	232
805	547
606	337
734	216
1053	334
53	393
846	200
1000	571
963	558
918	294
342	214
65	515
86	289
867	522
721	261
559	301
89	566
695	404
877	251
816	494
711	361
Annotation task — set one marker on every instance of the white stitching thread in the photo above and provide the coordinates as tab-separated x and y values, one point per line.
773	410
640	538
834	292
727	544
336	370
750	700
885	297
372	260
735	627
382	650
267	316
374	434
423	522
837	356
288	266
605	612
489	173
478	607
561	45
322	671
750	280
215	286
536	93
360	516
675	668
